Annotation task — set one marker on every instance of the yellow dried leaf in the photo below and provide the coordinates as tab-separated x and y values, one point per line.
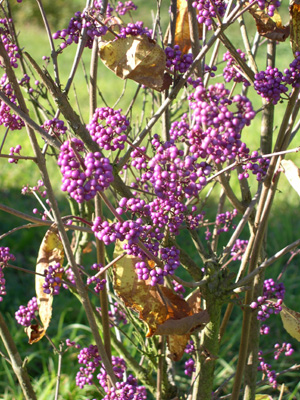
182	30
136	57
295	25
291	321
177	345
269	27
50	252
164	312
292	173
263	397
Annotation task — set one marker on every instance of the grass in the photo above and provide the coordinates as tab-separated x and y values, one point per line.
67	321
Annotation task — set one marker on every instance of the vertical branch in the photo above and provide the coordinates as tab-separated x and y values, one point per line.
262	215
160	368
166	124
16	361
93	78
209	350
215	237
194	33
103	293
53	52
173	12
253	347
171	37
58	378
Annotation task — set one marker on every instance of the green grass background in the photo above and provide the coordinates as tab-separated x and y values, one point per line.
67	321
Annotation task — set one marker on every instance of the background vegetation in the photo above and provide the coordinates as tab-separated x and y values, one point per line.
25	243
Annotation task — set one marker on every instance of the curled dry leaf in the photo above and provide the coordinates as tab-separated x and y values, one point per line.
295	25
292	173
50	252
291	321
164	312
269	27
182	30
136	57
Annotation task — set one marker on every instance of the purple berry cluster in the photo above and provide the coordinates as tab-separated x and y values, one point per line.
11	48
266	303
232	71
14	151
128	230
176	61
292	74
98	6
178	288
170	259
91	359
238	249
125	390
206	10
69	276
257	165
269	84
264	329
210	70
180	129
266	369
7	118
73	32
218	122
135	29
5	257
83	176
270	5
194	82
107	127
24	315
172	174
99	283
53	276
72	343
189	367
24	81
124	8
56	126
190	347
225	219
38	191
285	348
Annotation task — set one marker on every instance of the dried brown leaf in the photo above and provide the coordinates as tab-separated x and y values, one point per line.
182	30
135	57
185	325
295	25
177	345
269	27
50	252
164	312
